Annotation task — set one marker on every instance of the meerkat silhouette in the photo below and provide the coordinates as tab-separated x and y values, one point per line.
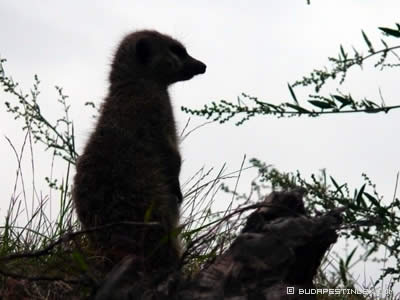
129	169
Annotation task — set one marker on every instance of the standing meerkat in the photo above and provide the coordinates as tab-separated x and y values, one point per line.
129	169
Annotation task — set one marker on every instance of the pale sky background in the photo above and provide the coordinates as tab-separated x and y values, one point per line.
254	47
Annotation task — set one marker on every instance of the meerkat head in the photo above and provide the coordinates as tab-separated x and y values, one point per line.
150	55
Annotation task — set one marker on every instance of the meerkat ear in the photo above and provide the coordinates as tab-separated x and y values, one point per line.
143	52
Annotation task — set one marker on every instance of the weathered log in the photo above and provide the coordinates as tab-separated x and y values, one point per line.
280	247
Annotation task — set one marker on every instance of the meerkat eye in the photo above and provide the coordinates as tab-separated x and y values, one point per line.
178	50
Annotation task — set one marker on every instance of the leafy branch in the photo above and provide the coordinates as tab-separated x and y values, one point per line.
345	61
368	219
58	135
248	106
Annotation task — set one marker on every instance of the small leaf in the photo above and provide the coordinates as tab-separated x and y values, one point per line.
343	271
334	182
389	31
293	94
342	100
367	41
80	260
373	200
370	251
149	211
338	188
321	104
90	103
298	108
348	259
343	53
359	198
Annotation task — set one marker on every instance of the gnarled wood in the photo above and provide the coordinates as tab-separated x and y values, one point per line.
279	247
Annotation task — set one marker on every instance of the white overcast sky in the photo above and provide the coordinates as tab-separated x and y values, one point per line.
254	47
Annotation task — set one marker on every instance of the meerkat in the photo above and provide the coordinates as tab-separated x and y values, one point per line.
129	169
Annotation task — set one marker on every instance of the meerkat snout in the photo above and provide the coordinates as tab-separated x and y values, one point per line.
193	67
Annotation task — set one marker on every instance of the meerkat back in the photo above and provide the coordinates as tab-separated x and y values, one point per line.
128	173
